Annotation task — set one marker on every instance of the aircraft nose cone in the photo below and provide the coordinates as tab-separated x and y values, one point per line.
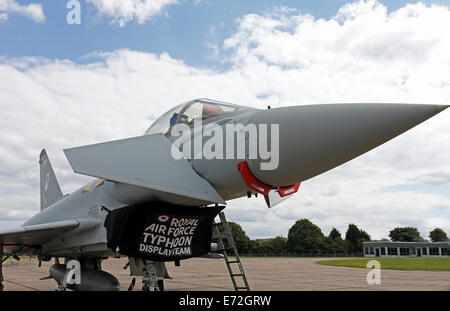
316	138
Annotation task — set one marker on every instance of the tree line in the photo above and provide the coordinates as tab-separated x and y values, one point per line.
306	238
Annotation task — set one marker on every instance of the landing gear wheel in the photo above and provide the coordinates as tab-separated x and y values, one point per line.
161	285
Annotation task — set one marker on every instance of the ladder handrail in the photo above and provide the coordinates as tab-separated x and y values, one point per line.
217	235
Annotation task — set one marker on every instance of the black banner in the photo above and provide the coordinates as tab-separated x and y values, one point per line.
245	301
161	232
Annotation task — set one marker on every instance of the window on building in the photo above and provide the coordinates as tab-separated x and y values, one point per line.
392	251
366	250
424	251
404	251
383	251
372	251
434	251
445	251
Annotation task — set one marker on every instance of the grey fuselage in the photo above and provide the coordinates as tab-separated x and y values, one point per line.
86	205
312	139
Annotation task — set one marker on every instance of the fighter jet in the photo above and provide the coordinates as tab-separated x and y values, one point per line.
154	197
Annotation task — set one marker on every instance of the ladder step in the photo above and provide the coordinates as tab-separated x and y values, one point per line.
221	233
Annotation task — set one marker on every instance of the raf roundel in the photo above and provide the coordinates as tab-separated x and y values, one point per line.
163	219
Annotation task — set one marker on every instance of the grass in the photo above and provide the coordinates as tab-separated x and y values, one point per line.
410	264
11	261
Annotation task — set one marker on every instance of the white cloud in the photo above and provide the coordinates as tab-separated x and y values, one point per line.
124	11
283	57
33	11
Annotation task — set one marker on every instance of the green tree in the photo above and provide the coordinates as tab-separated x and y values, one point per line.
329	245
305	237
335	234
438	235
276	245
241	239
341	246
335	244
355	237
254	247
364	235
352	235
405	234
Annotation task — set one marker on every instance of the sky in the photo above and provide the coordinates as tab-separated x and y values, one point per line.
128	61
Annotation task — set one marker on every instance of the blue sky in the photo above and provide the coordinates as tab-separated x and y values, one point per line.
184	30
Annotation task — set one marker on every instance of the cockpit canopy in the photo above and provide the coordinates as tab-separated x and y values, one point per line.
199	109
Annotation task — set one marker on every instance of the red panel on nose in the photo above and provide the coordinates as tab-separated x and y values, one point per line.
253	183
288	190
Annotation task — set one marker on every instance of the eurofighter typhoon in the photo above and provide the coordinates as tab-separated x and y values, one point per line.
155	197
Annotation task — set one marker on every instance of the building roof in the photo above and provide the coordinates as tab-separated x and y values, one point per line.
406	244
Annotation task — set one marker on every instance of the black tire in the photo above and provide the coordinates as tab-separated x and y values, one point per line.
161	285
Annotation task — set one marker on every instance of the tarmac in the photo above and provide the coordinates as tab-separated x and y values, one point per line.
263	274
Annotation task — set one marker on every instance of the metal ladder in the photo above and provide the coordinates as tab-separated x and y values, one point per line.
221	232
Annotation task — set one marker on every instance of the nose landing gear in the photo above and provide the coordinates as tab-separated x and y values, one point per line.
152	272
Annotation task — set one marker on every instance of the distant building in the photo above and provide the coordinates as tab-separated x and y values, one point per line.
406	249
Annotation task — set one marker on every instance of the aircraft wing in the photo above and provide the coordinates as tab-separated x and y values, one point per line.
36	234
144	161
